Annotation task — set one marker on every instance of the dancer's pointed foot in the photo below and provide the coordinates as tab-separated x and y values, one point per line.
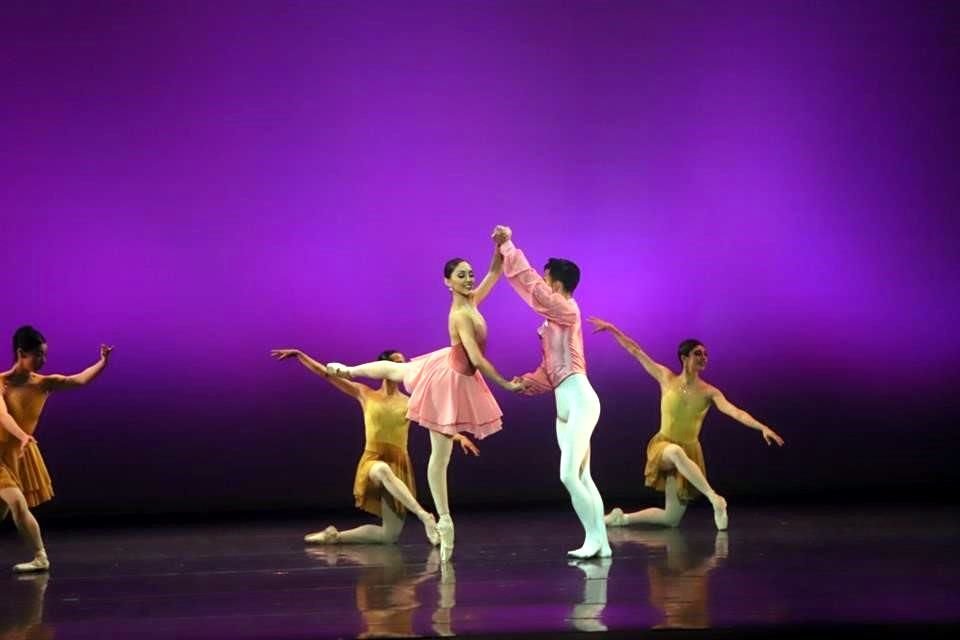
430	526
615	518
330	535
445	532
39	563
339	370
720	517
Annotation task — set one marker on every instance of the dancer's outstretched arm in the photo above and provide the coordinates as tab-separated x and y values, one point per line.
464	328
489	280
529	285
656	370
744	418
56	381
352	389
10	425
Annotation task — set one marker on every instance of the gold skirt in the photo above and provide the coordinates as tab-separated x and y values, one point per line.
657	478
29	474
367	495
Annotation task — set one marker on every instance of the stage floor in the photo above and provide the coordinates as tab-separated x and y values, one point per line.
778	571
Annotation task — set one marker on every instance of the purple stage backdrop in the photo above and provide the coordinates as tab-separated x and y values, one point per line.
198	182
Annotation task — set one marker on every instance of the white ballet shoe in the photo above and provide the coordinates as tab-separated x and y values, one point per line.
720	517
588	550
446	535
339	370
39	563
616	518
330	535
430	526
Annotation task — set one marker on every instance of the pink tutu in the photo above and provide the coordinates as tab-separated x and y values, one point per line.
449	396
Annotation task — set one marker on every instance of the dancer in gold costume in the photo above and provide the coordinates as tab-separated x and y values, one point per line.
24	480
384	484
674	458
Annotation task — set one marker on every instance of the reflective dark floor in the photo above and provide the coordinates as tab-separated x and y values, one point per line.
777	571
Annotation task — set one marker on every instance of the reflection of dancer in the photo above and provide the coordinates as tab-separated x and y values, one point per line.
386	587
674	457
21	609
586	615
678	572
385	464
24	481
564	371
447	393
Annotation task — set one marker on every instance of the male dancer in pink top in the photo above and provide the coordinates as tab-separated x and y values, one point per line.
564	371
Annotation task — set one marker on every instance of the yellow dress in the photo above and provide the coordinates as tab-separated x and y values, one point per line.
680	425
28	473
386	427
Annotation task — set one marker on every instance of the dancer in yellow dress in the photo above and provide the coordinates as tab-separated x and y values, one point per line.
384	484
674	458
24	480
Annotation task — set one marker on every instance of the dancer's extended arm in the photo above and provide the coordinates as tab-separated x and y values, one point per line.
56	382
465	331
656	370
744	418
352	389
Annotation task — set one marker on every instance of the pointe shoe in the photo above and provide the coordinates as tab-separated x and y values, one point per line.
446	535
39	563
330	535
720	517
616	518
339	370
431	528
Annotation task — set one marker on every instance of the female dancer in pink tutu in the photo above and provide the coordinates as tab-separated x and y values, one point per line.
447	393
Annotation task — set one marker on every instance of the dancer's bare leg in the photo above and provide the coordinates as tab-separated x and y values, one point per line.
385	477
379	370
674	459
674	456
441	446
386	533
669	516
29	529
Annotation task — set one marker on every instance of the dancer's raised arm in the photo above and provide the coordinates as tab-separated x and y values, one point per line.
656	370
57	381
530	285
352	389
489	280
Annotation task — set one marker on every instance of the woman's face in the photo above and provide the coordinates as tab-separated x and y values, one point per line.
461	280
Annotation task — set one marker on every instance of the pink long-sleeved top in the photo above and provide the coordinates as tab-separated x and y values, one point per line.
561	335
